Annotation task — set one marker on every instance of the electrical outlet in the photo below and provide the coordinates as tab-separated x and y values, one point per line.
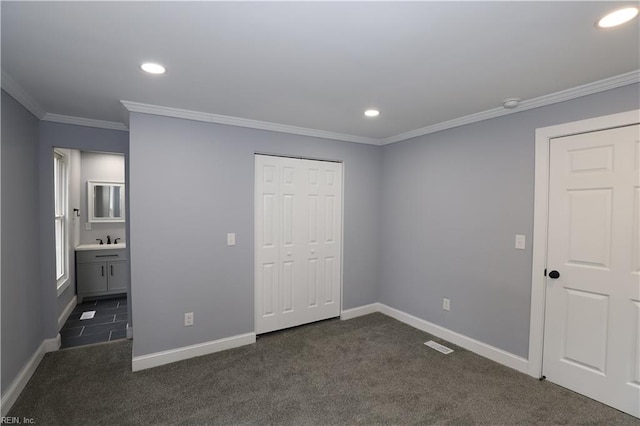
188	319
446	304
87	226
231	239
521	242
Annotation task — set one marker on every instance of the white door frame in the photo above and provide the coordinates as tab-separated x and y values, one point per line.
540	219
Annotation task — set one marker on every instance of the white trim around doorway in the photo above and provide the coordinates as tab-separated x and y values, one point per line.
540	218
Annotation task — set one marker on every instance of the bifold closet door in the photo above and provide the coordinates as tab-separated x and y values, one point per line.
298	241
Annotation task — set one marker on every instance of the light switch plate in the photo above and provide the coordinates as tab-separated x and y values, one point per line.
231	239
521	242
87	226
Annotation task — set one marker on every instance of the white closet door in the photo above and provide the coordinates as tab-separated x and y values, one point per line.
298	237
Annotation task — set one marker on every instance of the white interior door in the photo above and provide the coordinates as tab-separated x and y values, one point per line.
298	241
592	317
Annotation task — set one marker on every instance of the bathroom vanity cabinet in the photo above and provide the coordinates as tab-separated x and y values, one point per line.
101	270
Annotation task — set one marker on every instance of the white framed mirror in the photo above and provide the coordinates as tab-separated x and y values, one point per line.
105	201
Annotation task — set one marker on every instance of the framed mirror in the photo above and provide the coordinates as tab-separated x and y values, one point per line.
105	201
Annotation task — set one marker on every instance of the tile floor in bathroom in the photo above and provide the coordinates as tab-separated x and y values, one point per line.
109	322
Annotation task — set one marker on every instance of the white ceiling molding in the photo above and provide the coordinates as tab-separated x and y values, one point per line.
17	92
243	122
88	122
564	95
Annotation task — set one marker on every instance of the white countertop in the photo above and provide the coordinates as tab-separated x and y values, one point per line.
84	247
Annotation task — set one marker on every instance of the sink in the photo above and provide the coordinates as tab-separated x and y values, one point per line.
83	247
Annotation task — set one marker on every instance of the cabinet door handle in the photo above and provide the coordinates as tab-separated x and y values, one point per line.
102	270
106	255
111	266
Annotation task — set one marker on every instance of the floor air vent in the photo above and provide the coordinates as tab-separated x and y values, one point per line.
87	315
438	347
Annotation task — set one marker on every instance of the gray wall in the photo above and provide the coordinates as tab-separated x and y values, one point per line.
100	166
21	318
452	204
427	218
73	137
179	258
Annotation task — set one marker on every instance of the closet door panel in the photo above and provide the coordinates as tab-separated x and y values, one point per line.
304	214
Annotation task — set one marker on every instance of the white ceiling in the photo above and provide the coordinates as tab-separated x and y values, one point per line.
312	65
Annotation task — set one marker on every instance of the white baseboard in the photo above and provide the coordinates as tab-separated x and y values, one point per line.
52	345
24	375
491	352
166	357
64	316
360	311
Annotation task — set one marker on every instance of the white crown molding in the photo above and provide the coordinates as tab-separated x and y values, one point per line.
553	98
243	122
18	93
87	122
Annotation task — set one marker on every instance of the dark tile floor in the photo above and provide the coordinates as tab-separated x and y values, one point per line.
109	322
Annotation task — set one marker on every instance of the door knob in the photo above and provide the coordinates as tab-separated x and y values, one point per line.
554	275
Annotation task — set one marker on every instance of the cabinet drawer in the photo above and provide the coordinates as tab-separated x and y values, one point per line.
101	255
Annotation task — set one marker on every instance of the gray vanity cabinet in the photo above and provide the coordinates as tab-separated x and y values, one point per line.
101	272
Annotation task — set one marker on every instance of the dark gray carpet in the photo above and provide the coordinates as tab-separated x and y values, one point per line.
369	370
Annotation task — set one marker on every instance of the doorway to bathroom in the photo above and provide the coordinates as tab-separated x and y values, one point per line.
91	257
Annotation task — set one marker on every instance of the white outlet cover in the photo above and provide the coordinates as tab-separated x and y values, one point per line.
231	239
188	319
87	226
521	242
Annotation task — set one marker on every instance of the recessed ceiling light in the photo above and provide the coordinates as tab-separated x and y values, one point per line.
152	68
372	113
618	17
